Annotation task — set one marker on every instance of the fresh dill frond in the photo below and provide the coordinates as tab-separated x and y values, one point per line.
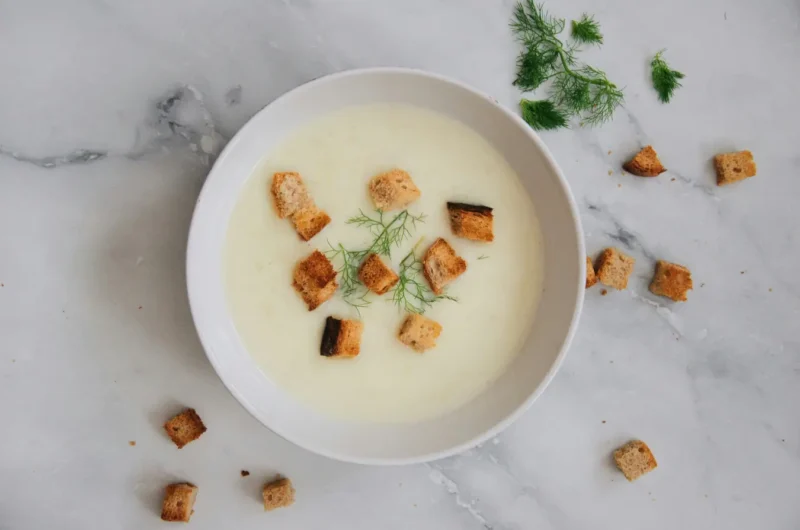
587	30
354	293
483	256
411	293
542	114
665	79
577	89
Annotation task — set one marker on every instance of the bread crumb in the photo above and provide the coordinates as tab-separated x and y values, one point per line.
614	268
770	289
278	494
635	459
604	292
132	443
733	167
245	473
672	179
609	152
178	502
742	272
619	185
185	428
671	280
610	172
140	307
604	421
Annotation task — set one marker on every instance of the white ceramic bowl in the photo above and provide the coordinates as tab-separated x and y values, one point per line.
512	393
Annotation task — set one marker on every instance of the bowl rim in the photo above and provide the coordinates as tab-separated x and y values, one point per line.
504	422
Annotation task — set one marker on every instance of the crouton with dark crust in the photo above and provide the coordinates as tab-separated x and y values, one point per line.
645	163
471	221
341	338
376	275
315	279
441	265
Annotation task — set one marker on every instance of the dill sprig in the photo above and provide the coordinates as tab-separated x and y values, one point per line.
353	291
577	89
587	30
665	79
412	293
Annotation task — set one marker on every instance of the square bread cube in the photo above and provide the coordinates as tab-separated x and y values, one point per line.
441	265
178	502
671	280
471	221
376	275
185	427
635	459
419	332
614	268
341	338
645	163
733	167
591	277
290	193
315	279
278	494
309	222
393	190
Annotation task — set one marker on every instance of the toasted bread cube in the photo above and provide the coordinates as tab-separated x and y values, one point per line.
310	221
278	494
591	277
471	221
341	338
671	280
733	167
376	275
290	194
185	427
635	459
419	332
178	502
393	190
614	268
645	163
315	279
441	265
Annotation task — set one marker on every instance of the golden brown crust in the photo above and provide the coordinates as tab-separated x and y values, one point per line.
341	338
178	502
645	163
289	193
671	280
441	265
591	277
635	459
310	221
474	222
185	427
419	332
614	268
733	167
393	190
315	279
376	275
278	494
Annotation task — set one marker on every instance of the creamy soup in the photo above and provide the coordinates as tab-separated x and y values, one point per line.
497	297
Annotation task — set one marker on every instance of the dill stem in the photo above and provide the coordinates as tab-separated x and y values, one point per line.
383	232
565	63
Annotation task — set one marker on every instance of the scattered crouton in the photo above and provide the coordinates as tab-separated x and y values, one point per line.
309	222
376	275
393	190
645	163
614	268
591	277
733	167
278	494
419	332
341	338
634	459
671	280
178	502
185	427
471	221
441	265
245	473
315	279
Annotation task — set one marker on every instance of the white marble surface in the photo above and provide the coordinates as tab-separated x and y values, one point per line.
98	178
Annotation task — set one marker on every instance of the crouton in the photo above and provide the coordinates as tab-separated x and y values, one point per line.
671	280
591	277
341	338
419	332
185	427
634	459
441	265
290	194
376	275
614	268
393	190
178	502
733	167
645	163
310	221
471	221
278	494
315	279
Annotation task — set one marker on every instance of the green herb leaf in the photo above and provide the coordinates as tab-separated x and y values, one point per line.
665	79
542	114
587	30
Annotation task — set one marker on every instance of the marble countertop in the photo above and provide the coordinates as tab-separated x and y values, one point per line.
110	115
